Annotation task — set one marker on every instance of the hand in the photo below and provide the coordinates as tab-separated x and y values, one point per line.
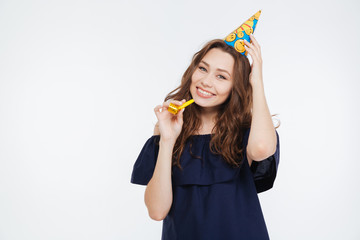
254	50
169	125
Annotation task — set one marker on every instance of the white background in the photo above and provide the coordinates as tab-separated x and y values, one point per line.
79	81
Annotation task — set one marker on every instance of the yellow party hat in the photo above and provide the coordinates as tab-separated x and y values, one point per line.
236	38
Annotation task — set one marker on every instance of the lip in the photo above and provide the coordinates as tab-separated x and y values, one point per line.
201	95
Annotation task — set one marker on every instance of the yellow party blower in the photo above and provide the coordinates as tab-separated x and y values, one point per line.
174	109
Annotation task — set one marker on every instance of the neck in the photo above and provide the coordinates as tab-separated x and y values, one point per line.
208	117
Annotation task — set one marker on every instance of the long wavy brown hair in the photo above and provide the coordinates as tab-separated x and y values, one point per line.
234	115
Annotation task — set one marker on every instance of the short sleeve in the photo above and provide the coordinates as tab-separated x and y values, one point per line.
264	171
145	163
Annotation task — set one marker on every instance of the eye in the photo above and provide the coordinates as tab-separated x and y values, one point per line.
222	77
201	68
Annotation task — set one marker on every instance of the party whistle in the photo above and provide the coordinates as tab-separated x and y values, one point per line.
174	109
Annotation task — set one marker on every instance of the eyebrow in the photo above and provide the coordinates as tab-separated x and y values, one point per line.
219	69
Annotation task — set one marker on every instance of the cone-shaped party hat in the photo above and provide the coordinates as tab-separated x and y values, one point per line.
236	38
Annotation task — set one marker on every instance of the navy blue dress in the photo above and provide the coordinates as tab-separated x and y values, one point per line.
211	200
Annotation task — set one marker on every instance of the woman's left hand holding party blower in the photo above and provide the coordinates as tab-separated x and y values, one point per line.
170	125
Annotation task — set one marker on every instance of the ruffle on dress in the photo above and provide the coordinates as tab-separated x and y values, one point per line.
211	169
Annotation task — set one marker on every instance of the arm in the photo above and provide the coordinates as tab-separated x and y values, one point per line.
158	193
262	138
156	129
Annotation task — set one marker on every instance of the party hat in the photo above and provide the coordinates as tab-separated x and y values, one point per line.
236	38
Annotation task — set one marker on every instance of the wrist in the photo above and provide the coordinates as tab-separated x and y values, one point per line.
167	141
257	84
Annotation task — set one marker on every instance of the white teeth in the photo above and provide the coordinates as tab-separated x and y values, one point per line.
205	93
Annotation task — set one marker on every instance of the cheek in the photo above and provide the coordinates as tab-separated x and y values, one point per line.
193	82
225	90
195	77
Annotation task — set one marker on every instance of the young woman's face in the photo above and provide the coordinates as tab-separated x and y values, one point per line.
212	81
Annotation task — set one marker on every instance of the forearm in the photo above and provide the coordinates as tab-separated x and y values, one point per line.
262	138
158	193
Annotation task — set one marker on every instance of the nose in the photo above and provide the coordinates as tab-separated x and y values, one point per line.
206	81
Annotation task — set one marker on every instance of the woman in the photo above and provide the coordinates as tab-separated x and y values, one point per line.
204	166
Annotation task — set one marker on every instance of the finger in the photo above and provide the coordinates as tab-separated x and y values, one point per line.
255	45
176	102
252	46
252	53
181	102
156	109
248	45
164	108
180	116
255	42
249	50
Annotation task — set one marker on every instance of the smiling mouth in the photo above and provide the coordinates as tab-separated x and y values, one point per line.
204	93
